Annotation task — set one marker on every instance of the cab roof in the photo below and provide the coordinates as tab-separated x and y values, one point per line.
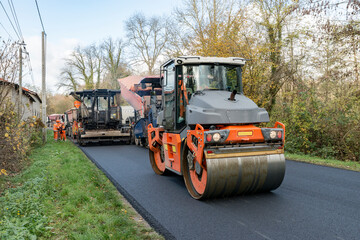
94	93
207	60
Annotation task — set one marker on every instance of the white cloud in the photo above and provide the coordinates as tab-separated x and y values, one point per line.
57	51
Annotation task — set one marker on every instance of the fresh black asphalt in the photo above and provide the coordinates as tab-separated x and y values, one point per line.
313	202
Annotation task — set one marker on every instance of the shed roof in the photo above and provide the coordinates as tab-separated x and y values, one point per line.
30	94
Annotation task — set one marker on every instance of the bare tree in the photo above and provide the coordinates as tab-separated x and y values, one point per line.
148	38
9	63
114	64
94	66
14	137
68	80
209	27
273	16
84	64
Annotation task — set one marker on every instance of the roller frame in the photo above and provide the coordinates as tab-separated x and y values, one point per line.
228	170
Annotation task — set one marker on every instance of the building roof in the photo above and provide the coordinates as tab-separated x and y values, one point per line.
30	94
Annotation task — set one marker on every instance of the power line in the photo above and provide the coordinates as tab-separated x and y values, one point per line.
7	32
30	67
19	33
10	20
21	38
37	6
12	8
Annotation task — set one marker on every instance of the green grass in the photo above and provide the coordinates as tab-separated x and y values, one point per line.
62	195
350	165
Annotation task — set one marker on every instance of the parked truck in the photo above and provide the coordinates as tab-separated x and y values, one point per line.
69	118
144	95
51	119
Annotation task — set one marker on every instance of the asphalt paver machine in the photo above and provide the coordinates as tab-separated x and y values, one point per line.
210	133
98	117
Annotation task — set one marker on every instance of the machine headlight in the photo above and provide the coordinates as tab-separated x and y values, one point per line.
272	134
216	137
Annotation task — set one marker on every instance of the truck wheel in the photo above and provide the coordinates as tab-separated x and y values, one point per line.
132	140
146	144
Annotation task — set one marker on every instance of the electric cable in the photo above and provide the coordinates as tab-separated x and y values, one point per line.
29	65
13	11
37	6
10	20
7	32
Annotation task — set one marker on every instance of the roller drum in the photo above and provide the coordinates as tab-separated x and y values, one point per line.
240	175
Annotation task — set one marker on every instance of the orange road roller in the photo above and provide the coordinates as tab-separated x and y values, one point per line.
207	131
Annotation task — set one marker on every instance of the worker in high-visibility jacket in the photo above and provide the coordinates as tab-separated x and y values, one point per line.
56	129
62	131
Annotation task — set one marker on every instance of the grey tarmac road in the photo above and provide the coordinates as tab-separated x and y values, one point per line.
313	202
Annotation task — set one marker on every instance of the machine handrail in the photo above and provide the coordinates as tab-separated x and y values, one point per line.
282	126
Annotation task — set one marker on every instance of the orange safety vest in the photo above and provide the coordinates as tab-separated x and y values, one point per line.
56	126
62	127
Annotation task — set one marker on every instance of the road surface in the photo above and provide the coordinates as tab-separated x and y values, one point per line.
313	202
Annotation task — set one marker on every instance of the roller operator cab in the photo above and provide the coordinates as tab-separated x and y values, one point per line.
208	130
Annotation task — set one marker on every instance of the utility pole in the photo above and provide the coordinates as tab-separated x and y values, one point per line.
20	84
43	87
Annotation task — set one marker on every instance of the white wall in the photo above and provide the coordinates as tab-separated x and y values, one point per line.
29	108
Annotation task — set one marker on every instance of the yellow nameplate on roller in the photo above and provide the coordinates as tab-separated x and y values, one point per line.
243	154
247	133
174	149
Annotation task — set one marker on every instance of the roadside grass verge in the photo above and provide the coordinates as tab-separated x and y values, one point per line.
349	165
62	195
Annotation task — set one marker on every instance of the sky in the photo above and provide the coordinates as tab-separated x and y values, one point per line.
69	23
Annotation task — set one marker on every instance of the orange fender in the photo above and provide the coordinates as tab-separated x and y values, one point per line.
154	138
197	149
